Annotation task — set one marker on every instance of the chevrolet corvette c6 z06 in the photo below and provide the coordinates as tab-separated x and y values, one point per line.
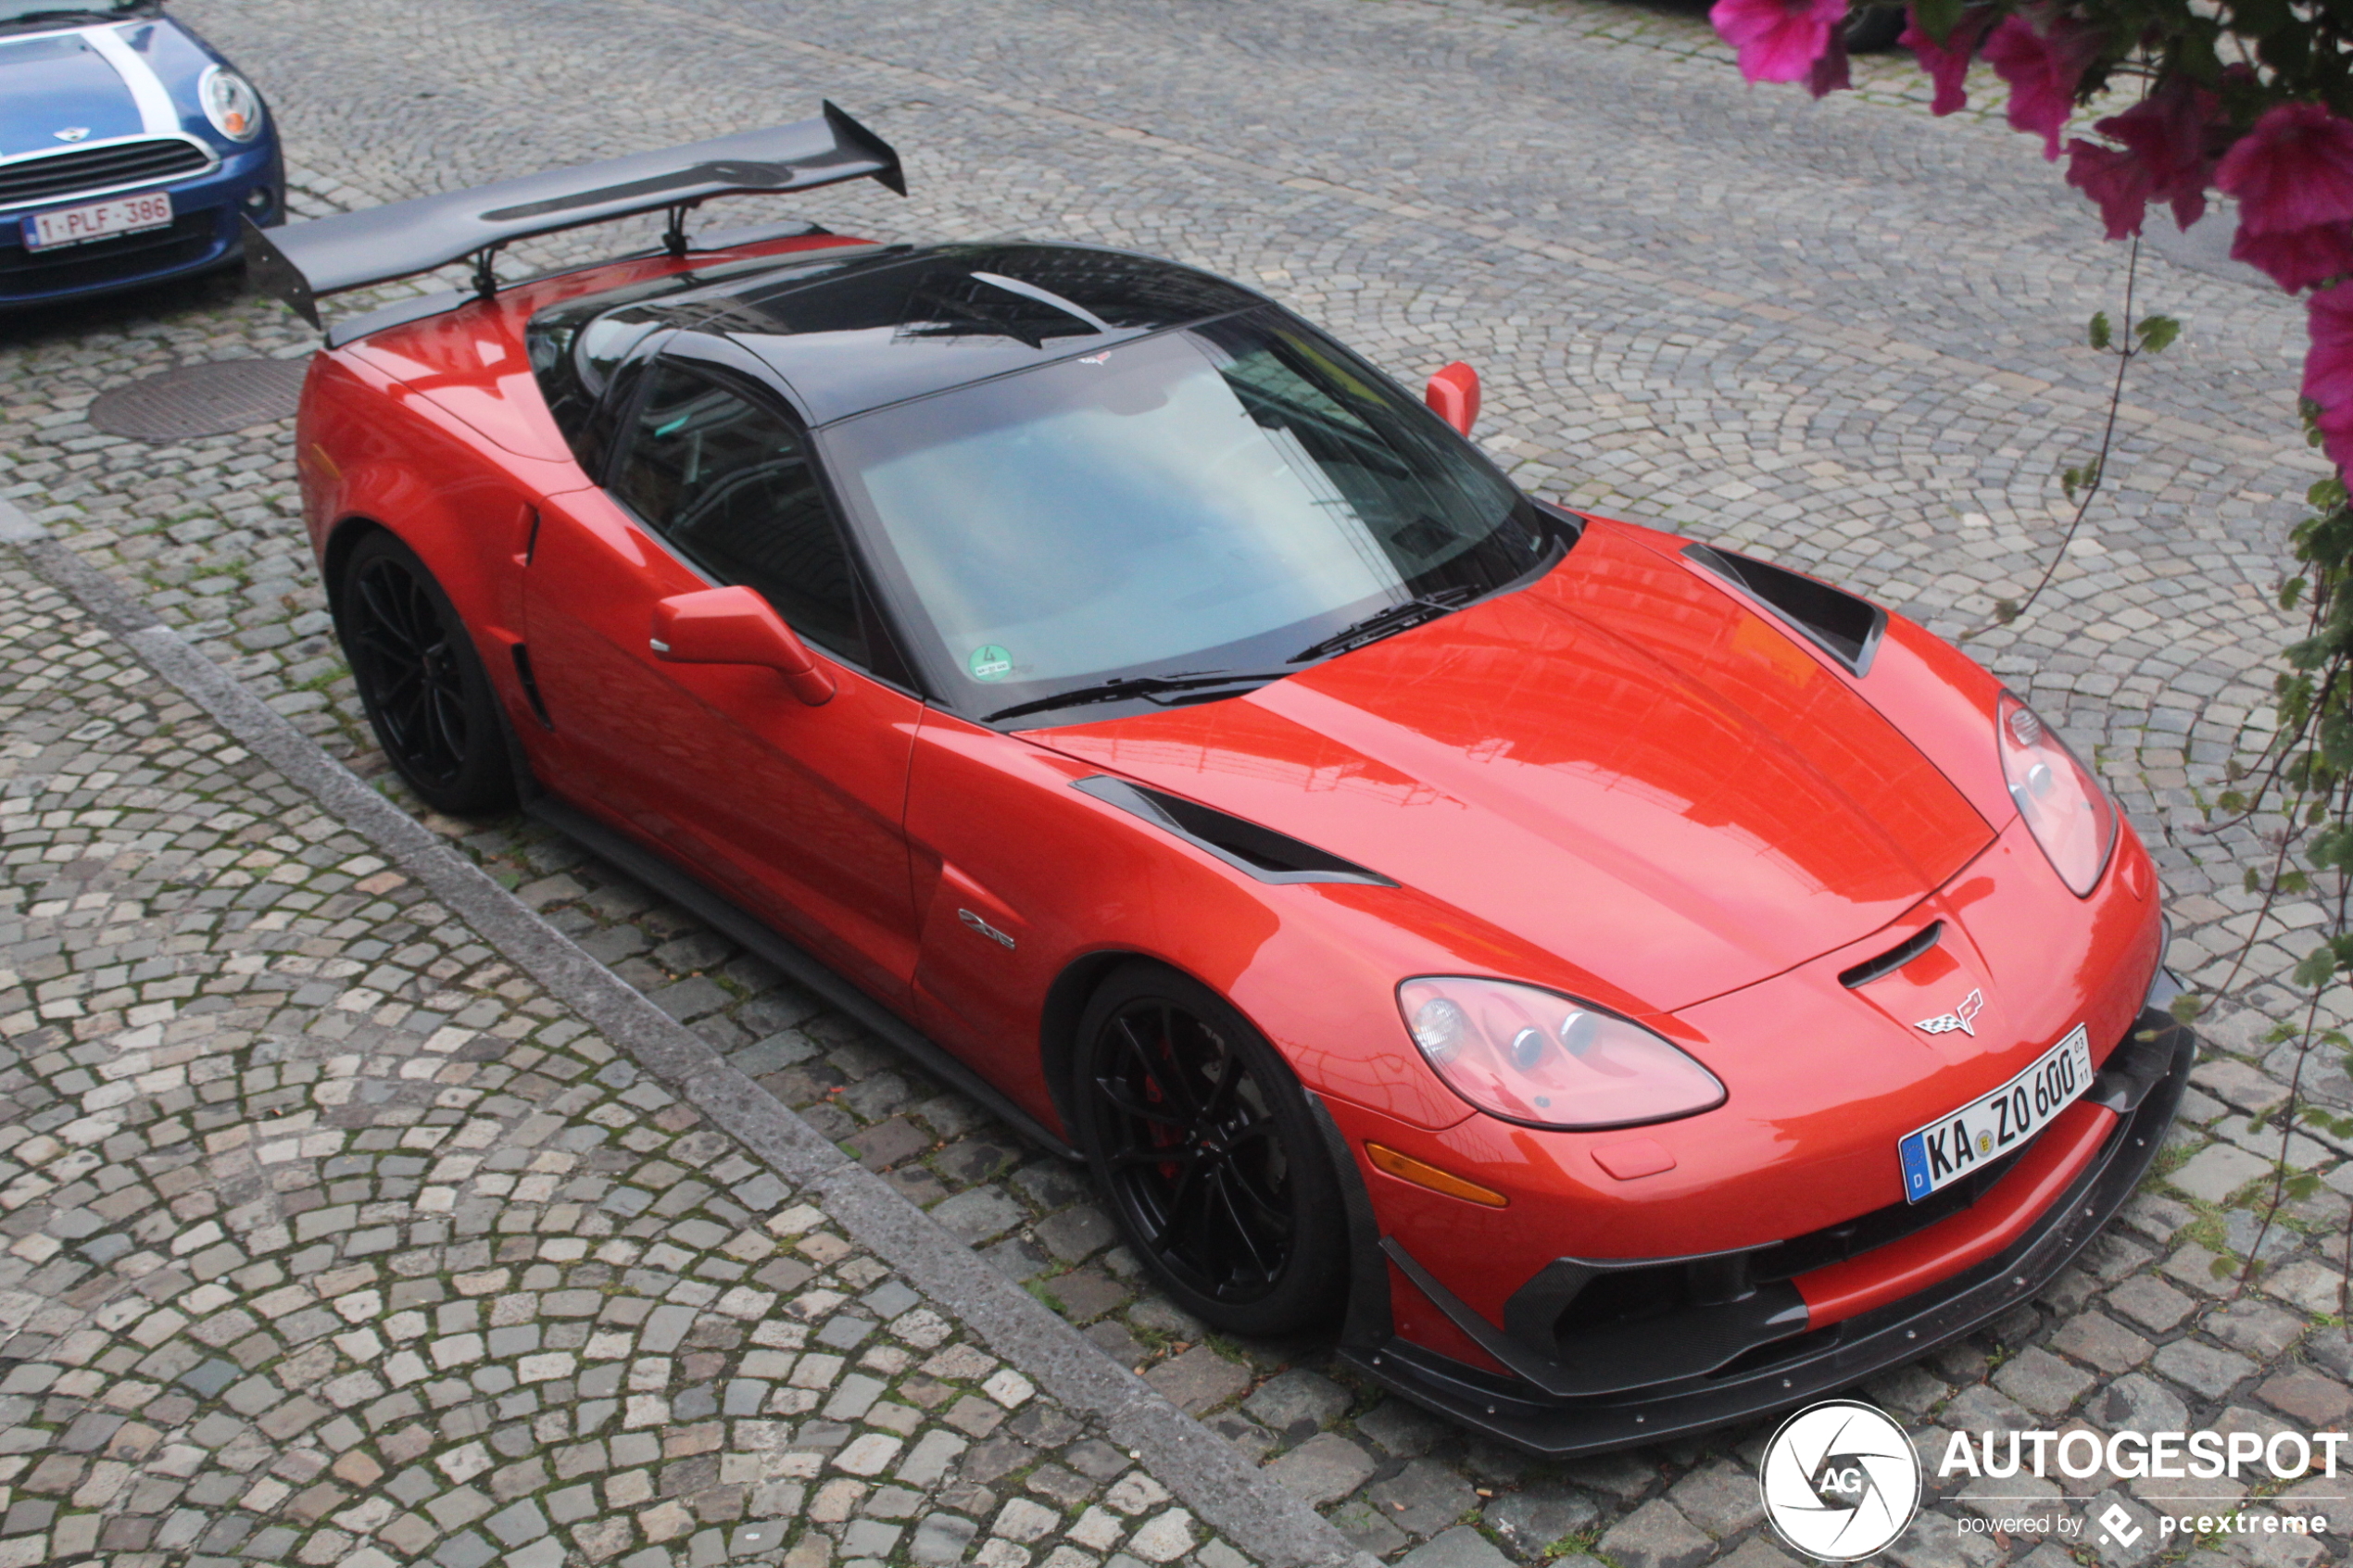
1617	984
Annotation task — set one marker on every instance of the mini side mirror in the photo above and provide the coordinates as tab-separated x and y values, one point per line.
1454	393
736	626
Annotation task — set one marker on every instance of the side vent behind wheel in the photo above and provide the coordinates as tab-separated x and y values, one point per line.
1264	853
530	682
1840	624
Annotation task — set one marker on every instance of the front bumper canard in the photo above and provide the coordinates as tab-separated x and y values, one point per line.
1709	1367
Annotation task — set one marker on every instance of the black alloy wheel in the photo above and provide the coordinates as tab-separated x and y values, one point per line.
1202	1141
420	681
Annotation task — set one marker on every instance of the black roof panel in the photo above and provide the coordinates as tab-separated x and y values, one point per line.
897	321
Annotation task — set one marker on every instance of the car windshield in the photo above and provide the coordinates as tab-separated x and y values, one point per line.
16	12
1243	497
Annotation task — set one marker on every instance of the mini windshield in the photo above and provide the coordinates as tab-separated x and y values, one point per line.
1219	499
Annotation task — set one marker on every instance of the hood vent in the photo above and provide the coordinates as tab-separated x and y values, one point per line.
1894	959
1262	852
1832	619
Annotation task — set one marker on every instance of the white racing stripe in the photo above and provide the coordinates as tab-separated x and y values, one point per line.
158	115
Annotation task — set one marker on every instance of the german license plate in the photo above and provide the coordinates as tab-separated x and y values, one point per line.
1953	1146
75	225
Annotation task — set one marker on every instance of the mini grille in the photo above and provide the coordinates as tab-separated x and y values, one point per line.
54	175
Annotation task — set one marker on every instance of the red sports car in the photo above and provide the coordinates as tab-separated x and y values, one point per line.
1623	984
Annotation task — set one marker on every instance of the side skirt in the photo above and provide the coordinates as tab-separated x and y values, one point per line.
683	889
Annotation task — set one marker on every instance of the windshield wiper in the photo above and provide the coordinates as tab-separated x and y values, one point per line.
1147	686
1394	617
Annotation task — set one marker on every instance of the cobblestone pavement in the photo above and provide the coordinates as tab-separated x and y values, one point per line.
331	1238
1842	334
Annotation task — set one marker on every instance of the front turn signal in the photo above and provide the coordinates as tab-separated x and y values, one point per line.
1405	1168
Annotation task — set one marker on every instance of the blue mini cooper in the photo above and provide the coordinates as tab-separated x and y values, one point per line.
128	150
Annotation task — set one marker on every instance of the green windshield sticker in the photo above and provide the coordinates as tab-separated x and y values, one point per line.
989	663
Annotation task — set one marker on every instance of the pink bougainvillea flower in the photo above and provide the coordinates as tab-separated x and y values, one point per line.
2042	61
2299	258
2163	158
1778	39
2114	177
2293	170
1830	74
2336	435
2328	368
2336	425
2168	133
1947	63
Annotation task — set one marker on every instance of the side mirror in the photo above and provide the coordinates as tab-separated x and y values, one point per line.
1454	393
736	626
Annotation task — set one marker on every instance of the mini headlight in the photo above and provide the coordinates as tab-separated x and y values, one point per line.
2063	805
1536	1057
230	103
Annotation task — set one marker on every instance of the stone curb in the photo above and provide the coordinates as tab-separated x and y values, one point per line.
1255	1512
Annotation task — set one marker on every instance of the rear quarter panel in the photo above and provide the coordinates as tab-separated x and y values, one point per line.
372	450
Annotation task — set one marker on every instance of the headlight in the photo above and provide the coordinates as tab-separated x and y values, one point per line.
230	103
1544	1060
2063	805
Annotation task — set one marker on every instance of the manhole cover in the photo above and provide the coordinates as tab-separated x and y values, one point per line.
212	398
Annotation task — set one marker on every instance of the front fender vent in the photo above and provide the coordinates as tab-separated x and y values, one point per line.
1261	852
1832	619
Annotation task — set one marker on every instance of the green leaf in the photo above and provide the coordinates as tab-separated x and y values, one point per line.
2187	1006
2158	333
2007	610
2233	800
1936	18
2291	591
2222	1265
2100	335
2316	968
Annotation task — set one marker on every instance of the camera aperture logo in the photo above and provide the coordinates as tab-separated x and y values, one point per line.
1840	1481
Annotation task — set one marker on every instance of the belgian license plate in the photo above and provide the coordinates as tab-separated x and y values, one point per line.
1953	1146
73	225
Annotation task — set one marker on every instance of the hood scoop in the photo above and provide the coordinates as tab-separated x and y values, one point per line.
1895	957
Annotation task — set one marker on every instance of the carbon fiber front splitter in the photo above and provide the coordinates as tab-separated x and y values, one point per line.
1792	1372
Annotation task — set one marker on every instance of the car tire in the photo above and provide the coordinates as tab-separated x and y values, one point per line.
1202	1145
1874	28
420	681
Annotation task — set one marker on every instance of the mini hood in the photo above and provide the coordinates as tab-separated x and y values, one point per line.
55	81
1625	765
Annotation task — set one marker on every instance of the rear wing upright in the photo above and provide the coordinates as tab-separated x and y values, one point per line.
301	263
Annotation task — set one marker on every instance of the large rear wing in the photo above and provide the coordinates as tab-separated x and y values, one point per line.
302	262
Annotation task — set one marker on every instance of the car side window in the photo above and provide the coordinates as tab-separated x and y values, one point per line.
726	481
